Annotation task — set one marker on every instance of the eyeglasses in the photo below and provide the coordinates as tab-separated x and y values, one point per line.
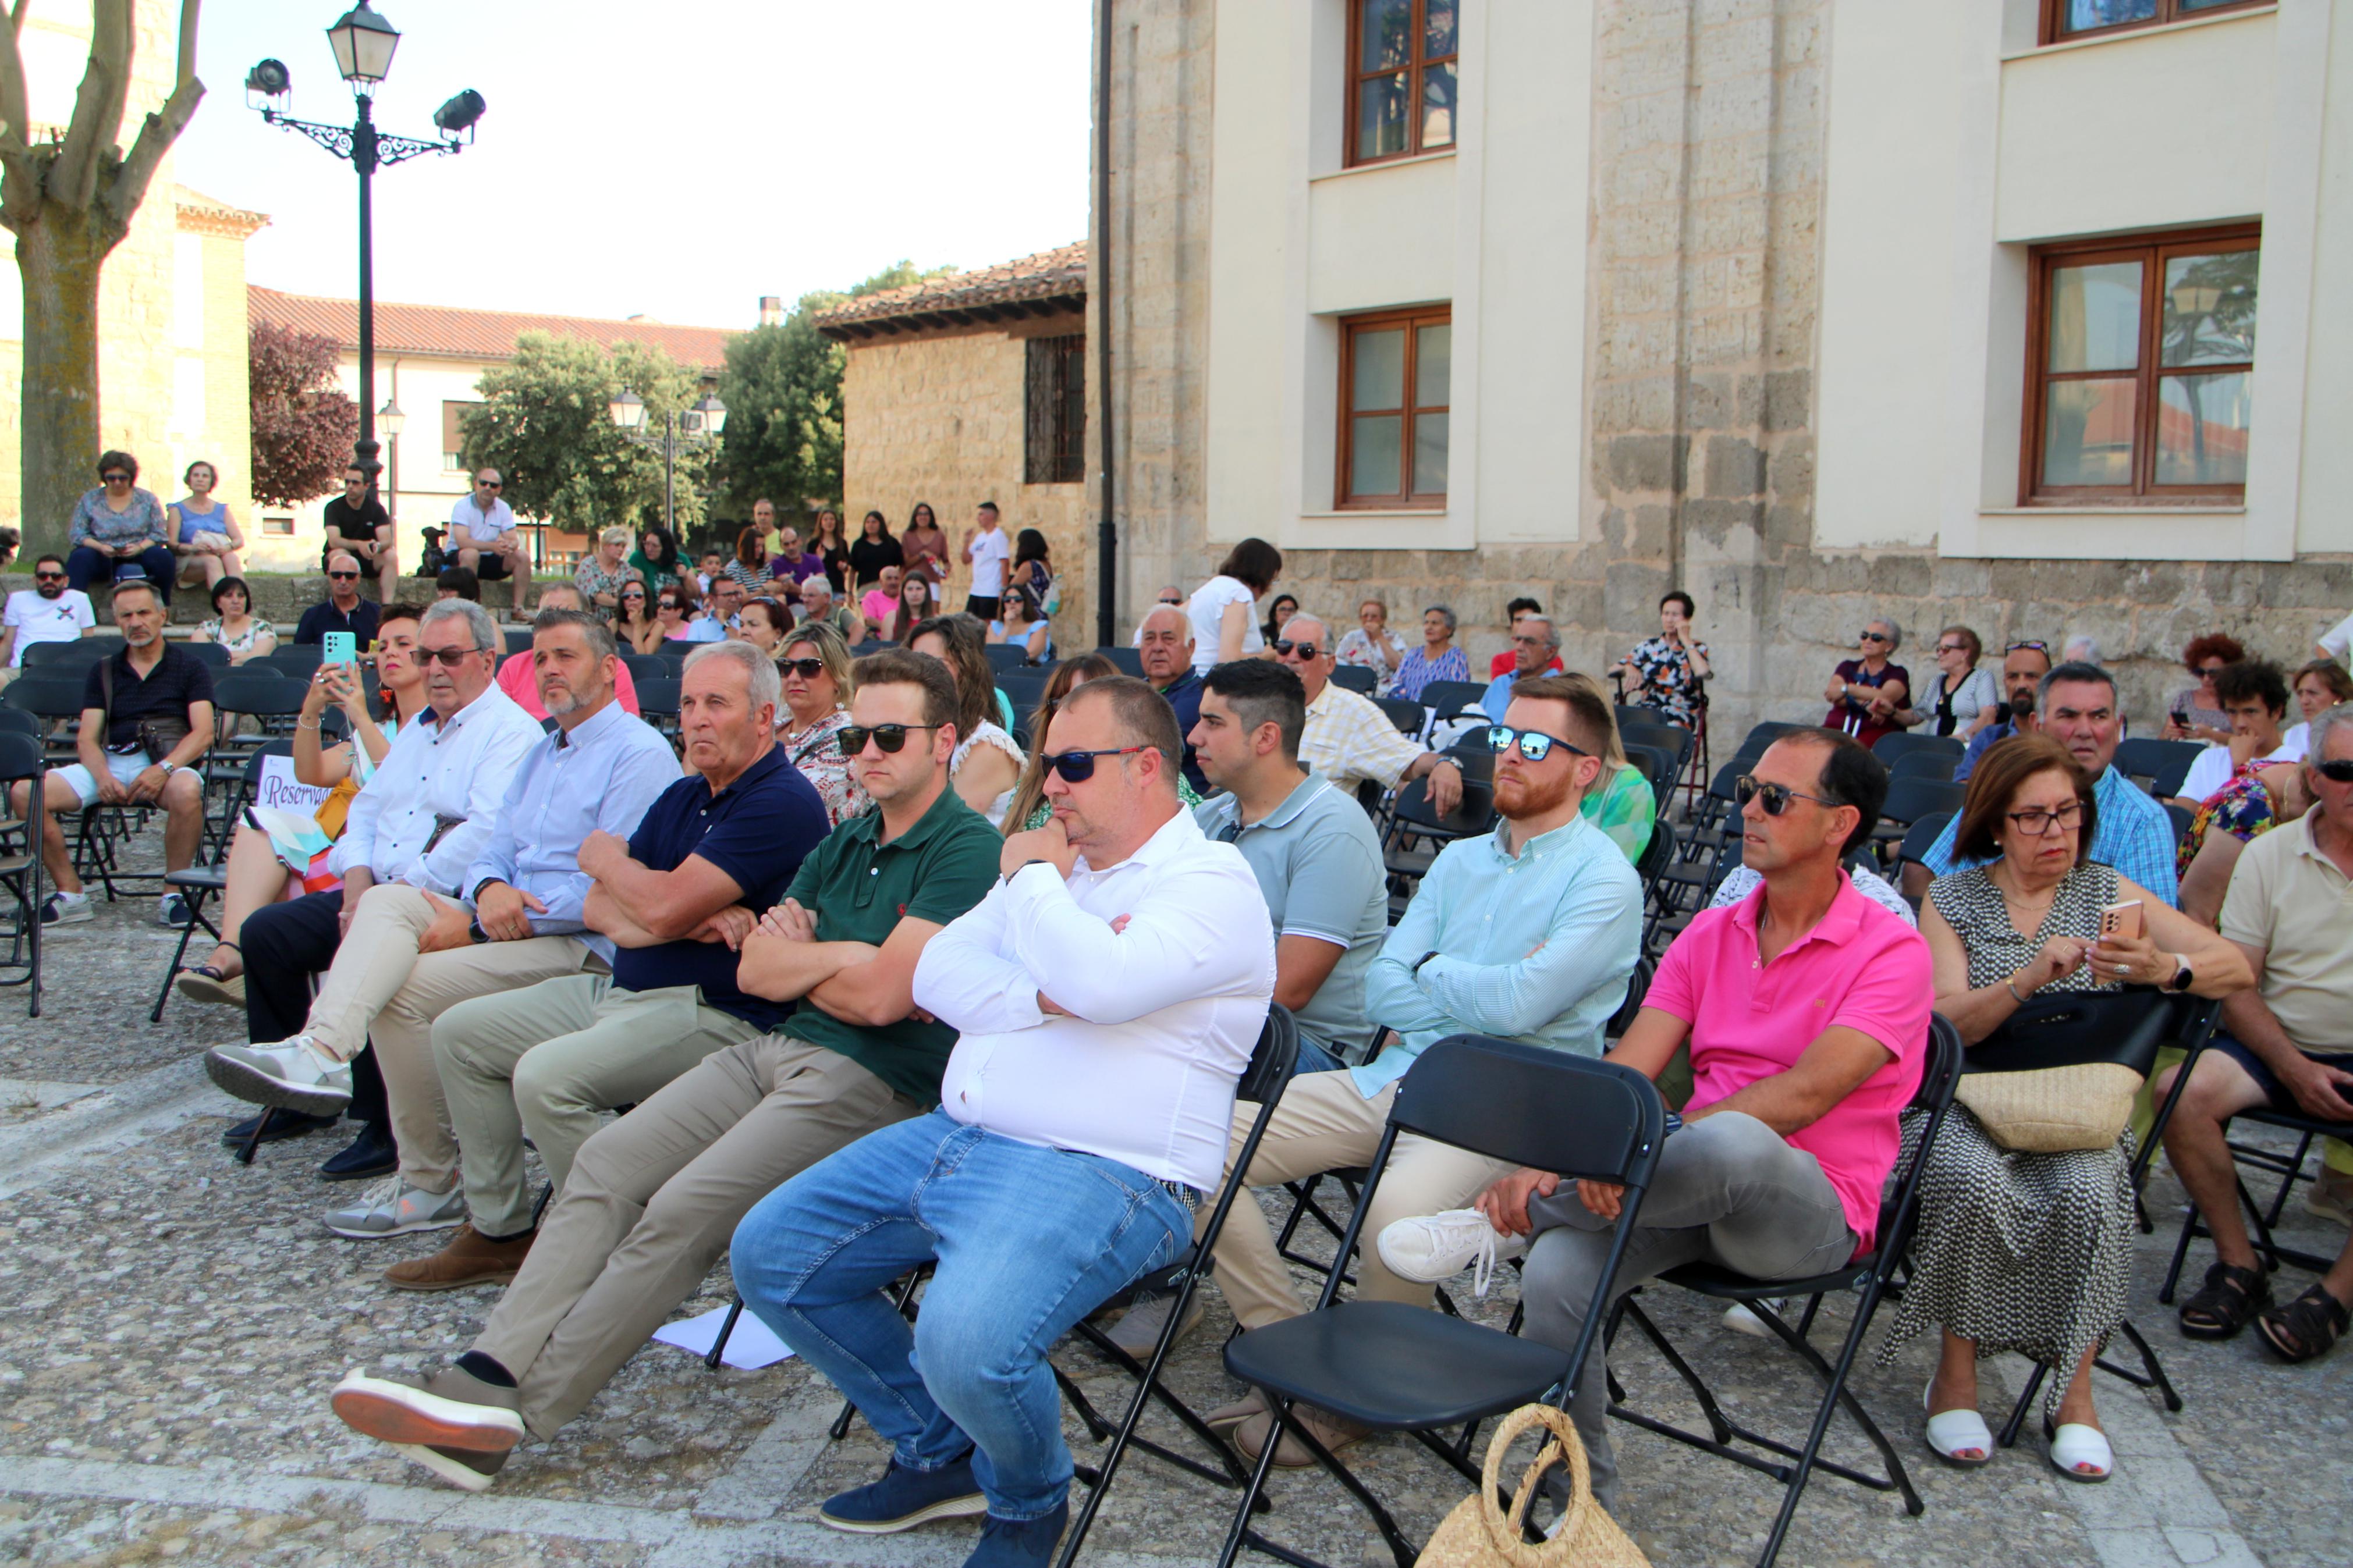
2041	648
810	669
1535	744
450	657
1952	647
887	737
490	484
2038	822
116	479
2337	770
1078	767
1874	637
345	576
1284	647
1172	601
1774	797
2202	670
636	594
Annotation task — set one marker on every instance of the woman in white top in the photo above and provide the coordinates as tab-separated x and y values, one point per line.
1220	609
1960	702
2320	685
988	763
234	625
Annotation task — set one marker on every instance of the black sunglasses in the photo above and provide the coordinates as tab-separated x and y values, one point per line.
810	669
345	576
1078	767
1535	744
450	657
2041	647
48	577
1774	797
1874	637
492	484
2337	770
1284	646
110	478
887	737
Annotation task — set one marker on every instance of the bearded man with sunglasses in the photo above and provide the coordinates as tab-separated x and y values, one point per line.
653	1197
1108	992
1805	1009
1527	933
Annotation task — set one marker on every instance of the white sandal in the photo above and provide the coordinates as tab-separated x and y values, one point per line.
1953	1433
2075	1444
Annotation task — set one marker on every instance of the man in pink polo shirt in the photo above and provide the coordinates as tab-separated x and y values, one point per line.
1806	1009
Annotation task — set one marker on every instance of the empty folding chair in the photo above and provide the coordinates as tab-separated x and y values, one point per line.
2159	767
1935	765
1354	677
1897	744
1398	1368
1408	717
20	864
198	884
1129	661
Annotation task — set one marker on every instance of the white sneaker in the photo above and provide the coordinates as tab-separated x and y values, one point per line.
1741	1320
65	909
1440	1246
292	1075
393	1207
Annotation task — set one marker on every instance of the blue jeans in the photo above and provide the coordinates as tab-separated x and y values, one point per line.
1027	1241
1314	1057
85	565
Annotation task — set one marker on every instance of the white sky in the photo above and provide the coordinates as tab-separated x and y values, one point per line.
678	160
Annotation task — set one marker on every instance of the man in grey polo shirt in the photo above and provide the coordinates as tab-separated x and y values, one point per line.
1318	863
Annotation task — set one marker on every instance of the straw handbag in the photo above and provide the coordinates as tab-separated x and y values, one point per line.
1478	1534
2062	1071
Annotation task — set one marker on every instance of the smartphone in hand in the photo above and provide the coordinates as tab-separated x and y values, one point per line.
2122	919
338	647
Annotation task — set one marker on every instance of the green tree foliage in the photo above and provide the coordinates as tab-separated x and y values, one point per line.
545	423
303	422
782	386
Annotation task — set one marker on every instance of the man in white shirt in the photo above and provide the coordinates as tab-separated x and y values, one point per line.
1348	739
1108	993
2254	694
483	535
49	611
986	551
421	819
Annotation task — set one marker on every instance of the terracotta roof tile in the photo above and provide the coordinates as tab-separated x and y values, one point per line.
1059	276
447	333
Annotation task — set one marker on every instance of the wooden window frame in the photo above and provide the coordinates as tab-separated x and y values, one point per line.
1053	410
2152	251
1414	68
1376	321
2169	12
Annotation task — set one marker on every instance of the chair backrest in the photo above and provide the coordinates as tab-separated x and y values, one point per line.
1898	743
1535	1106
1025	688
1671	739
20	756
1657	855
211	655
1638	987
675	649
1657	766
1921	835
1408	717
1272	1060
16	722
1130	660
77	654
2164	763
297	659
648	667
1447	697
659	696
1764	734
1909	800
264	693
872	646
1474	814
1933	765
1354	677
2182	816
519	641
1939	1073
47	693
1005	656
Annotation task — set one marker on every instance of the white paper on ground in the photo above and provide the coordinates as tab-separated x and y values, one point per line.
749	1348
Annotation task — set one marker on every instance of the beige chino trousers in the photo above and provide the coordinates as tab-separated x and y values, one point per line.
1323	1124
652	1199
547	1061
381	988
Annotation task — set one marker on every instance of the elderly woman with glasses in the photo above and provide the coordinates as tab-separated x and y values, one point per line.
119	526
1436	659
603	570
1866	693
816	670
1964	696
2020	1251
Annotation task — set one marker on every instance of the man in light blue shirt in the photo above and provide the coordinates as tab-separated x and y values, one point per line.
2136	833
1534	645
1528	933
410	953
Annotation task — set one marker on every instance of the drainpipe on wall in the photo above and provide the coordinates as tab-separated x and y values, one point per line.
1106	531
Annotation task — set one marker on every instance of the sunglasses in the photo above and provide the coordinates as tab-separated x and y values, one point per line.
450	657
633	594
1774	797
887	737
490	484
2202	670
116	479
1533	744
2337	770
810	669
1284	647
345	576
1952	647
48	577
1172	601
1874	637
2043	647
1078	767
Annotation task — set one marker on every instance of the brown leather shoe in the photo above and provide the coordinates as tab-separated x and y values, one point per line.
1336	1433
1226	1418
468	1260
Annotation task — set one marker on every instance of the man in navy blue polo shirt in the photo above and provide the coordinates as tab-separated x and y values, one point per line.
712	852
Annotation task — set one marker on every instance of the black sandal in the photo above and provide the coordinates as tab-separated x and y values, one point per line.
2229	1302
2305	1327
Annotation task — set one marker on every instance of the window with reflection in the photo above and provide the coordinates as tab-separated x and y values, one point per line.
1394	369
2063	19
2144	357
1402	78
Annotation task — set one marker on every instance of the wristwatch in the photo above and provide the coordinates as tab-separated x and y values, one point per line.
1033	861
2182	977
1425	958
475	932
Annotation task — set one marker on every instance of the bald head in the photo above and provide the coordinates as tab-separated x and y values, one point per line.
1165	645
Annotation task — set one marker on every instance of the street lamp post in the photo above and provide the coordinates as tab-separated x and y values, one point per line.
390	420
689	430
363	42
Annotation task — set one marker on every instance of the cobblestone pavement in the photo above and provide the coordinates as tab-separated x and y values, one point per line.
170	1322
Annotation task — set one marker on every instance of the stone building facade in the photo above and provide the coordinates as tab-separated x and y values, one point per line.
943	403
1728	188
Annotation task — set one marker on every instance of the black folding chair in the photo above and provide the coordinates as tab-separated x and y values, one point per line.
1937	766
658	703
1897	744
1454	699
1869	1275
2081	1027
1658	768
1408	717
20	862
1399	1368
71	658
1673	740
1354	677
1909	800
211	655
1270	1066
1921	838
2159	765
263	694
1130	661
1005	656
644	666
295	660
518	639
197	884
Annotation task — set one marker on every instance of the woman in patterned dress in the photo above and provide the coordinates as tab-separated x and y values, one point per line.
603	570
2032	1253
1668	669
816	666
1436	659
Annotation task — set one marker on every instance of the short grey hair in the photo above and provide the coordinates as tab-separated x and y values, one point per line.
1323	630
767	685
2081	650
1445	610
479	625
1895	632
1551	632
817	580
2081	674
601	642
2324	723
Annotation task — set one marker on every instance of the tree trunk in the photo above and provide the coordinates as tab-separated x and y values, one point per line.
60	255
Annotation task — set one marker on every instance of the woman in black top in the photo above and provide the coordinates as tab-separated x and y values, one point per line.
828	546
875	550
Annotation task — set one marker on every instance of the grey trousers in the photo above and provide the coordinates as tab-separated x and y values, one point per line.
1729	1191
651	1201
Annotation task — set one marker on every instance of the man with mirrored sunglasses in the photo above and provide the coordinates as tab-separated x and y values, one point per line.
1348	740
1527	933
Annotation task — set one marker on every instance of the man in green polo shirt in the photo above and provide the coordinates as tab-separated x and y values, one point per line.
653	1197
